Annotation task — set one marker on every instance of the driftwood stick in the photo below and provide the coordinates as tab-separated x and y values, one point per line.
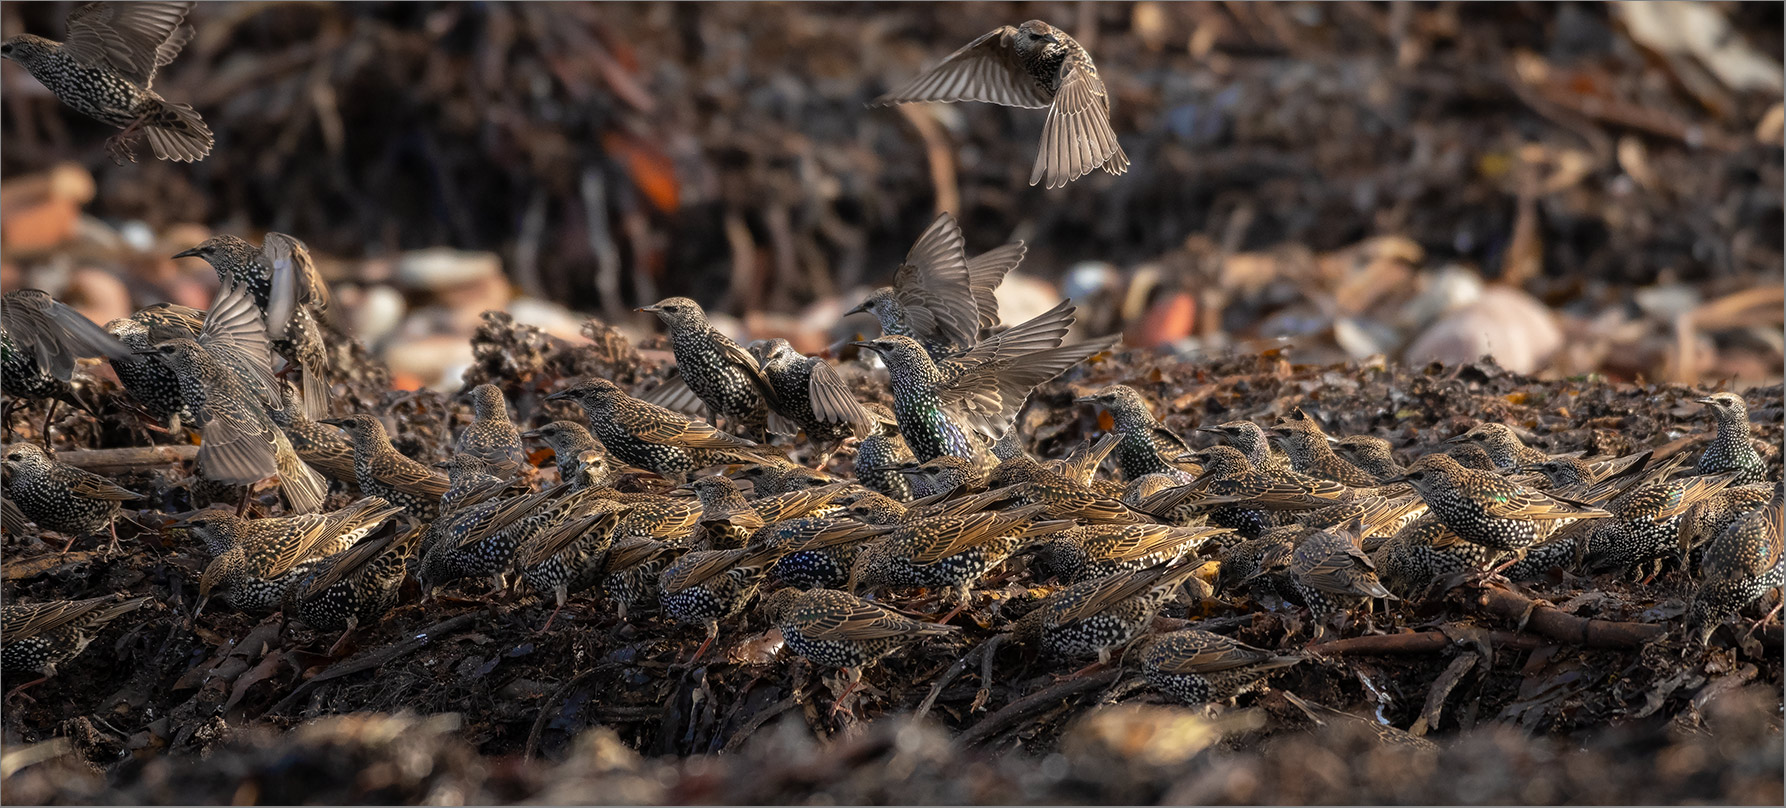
949	675
1036	702
134	458
1418	642
1551	622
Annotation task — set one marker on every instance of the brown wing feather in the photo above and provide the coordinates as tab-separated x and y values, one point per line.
127	36
987	69
1077	137
855	619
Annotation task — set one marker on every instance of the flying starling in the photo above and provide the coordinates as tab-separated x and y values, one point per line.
839	630
1094	551
318	445
1252	441
568	441
39	637
1483	508
1740	565
354	587
106	68
817	551
289	295
1332	574
947	552
651	437
492	437
1310	453
145	378
941	298
1147	447
40	339
810	394
937	412
1092	617
881	455
1422	553
255	560
1503	445
382	471
226	379
1374	455
1731	449
73	502
720	372
704	587
1197	667
1032	65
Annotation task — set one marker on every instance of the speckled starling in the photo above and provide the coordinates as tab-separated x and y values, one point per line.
489	551
1064	498
1503	445
568	441
491	437
704	587
778	475
318	445
473	522
1471	456
568	558
1740	565
1710	517
1092	617
1261	568
1252	441
1310	453
1094	551
811	396
289	295
629	574
383	471
469	482
818	551
730	520
839	630
943	477
1236	495
941	298
1332	574
1422	553
724	375
73	502
39	637
881	455
1731	450
651	437
106	68
1032	65
1197	667
144	377
947	552
1484	508
1374	455
255	560
40	339
354	587
1645	523
1599	481
1146	447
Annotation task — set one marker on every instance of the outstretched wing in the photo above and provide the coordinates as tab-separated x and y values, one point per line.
1077	136
987	69
56	334
236	336
935	289
127	36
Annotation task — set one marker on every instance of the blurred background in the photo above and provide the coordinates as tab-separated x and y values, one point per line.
1573	187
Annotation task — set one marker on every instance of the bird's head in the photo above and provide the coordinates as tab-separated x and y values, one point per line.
217	250
1035	34
1726	405
27	49
25	456
588	390
894	349
678	312
882	304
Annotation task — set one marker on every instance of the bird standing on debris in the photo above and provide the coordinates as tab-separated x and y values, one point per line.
1147	447
492	438
254	560
1502	444
1731	450
1483	508
839	630
939	296
42	636
1196	666
650	437
724	375
60	497
106	68
1741	564
383	471
1032	65
812	396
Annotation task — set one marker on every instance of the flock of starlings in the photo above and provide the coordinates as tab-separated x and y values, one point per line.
942	495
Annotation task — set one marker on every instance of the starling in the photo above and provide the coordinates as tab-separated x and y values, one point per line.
226	380
1503	445
1094	551
568	558
947	552
1236	495
254	560
839	630
817	551
1064	498
488	549
1332	573
1252	441
1422	553
472	522
289	295
651	437
39	637
145	378
707	586
1091	617
1709	518
317	445
723	375
937	412
492	437
383	471
1032	65
568	440
1741	564
73	502
1472	456
941	298
731	520
778	475
881	455
811	395
106	68
354	587
1645	522
40	339
943	477
469	482
1197	667
1310	453
1731	450
1485	509
1261	567
629	573
1372	454
1146	447
1597	481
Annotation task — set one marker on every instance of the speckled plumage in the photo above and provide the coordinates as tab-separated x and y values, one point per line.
1741	564
947	552
721	373
1252	441
1147	447
1502	444
1310	453
1332	574
255	560
382	471
1423	552
1730	450
1645	522
812	397
704	587
354	587
568	441
1706	519
40	637
492	437
1484	508
490	553
150	382
650	437
1236	495
1094	551
880	456
1374	455
318	445
1091	617
1197	667
817	551
839	630
629	573
60	497
289	295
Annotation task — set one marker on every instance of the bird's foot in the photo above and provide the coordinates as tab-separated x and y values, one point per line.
118	148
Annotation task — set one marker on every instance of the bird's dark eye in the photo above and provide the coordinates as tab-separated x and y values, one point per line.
5	50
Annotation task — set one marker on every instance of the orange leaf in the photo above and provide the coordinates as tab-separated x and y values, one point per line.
651	170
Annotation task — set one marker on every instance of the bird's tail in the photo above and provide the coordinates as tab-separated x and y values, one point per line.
177	133
303	488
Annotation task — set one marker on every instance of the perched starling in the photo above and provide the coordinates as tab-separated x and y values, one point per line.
568	558
1484	508
1709	518
1310	453
1252	441
1236	495
720	372
39	637
254	560
839	630
1594	481
1032	65
1261	567
144	377
383	471
947	552
469	481
568	440
1332	573
73	502
1091	617
492	437
1066	499
937	412
731	521
881	455
704	587
629	573
289	295
1645	523
1740	565
1731	450
778	475
941	298
354	587
1422	553
651	437
318	445
1503	445
471	523
1094	551
40	339
1146	447
1372	454
226	378
488	551
943	477
810	394
1197	667
817	551
106	68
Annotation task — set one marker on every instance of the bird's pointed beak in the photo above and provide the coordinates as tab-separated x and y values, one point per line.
340	422
191	253
200	606
531	433
1210	429
1464	438
1707	400
652	307
859	309
1331	440
558	396
145	352
1394	480
867	345
1086	400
